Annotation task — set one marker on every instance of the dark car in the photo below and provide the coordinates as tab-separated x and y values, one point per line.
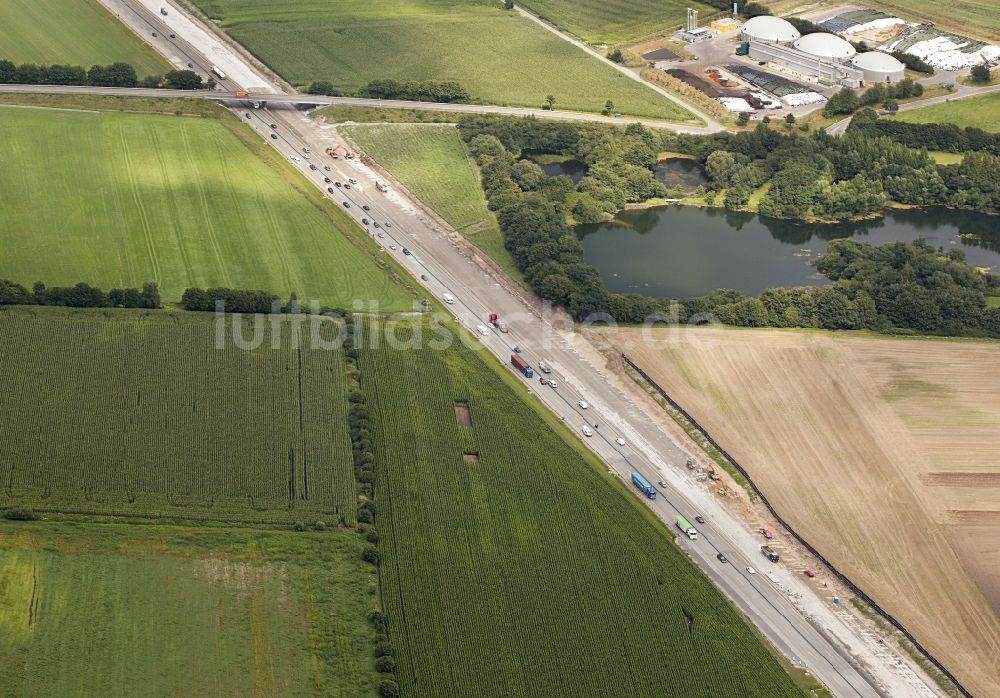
330	189
326	179
173	36
722	558
190	65
338	184
366	207
406	252
365	221
346	205
274	125
809	573
154	33
274	136
388	224
312	167
347	186
377	225
700	519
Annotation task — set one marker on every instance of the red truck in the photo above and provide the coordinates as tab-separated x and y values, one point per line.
521	365
497	322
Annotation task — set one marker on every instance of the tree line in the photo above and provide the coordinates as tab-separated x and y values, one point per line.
947	137
847	101
113	75
79	296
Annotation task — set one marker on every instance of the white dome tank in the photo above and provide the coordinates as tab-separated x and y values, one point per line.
879	67
768	28
822	45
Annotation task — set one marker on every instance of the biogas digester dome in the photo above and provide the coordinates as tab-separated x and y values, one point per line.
879	67
822	45
768	28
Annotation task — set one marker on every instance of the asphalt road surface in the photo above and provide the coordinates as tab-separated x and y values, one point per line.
813	638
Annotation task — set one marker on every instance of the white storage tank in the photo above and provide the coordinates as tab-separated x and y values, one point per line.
823	45
879	67
767	28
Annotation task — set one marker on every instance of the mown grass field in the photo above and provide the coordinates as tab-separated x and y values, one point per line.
131	412
499	57
615	21
433	163
120	199
532	571
92	609
978	112
75	32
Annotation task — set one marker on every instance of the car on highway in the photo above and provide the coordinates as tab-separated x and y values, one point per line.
273	125
295	158
365	221
154	33
190	65
722	558
587	431
553	384
347	205
274	136
620	441
352	180
751	570
700	519
377	224
544	367
406	252
483	330
312	167
326	179
306	156
305	149
381	235
809	573
662	484
173	36
767	534
392	247
330	189
347	186
583	404
338	184
367	207
388	224
247	114
449	299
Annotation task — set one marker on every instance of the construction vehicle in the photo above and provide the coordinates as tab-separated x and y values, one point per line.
521	365
643	486
686	528
242	93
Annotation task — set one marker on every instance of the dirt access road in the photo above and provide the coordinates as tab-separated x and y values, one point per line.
882	453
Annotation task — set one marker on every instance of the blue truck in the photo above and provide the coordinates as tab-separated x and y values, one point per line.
640	482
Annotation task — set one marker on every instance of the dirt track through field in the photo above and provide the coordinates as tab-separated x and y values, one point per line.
882	453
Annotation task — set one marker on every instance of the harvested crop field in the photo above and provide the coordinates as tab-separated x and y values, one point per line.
881	452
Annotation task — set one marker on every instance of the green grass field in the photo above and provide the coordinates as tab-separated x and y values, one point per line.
532	571
617	21
432	162
979	112
130	412
128	610
120	199
993	301
77	32
499	57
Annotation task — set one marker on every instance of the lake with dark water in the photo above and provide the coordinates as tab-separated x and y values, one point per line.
682	251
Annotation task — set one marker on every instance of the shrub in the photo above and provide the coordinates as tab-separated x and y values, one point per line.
299	526
384	649
19	514
386	665
388	689
370	554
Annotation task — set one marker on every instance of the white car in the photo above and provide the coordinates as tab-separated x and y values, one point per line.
449	299
620	441
392	247
587	431
583	404
751	570
296	158
553	384
483	330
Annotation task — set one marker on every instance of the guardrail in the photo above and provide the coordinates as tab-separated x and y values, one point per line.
837	573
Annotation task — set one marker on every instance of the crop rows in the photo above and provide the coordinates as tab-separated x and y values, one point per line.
531	572
131	412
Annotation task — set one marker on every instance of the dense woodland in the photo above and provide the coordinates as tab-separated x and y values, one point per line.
113	75
892	287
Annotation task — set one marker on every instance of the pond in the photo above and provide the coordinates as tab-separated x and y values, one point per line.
686	174
554	166
683	251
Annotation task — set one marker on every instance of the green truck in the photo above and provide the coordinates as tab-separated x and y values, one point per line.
686	527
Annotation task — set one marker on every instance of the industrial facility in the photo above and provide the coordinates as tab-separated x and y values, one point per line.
879	67
773	30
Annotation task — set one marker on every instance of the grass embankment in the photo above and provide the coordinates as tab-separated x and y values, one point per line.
433	163
499	57
115	609
978	112
139	105
339	113
198	433
552	573
120	199
597	22
74	32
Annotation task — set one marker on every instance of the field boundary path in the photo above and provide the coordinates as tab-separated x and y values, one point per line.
961	92
788	527
711	125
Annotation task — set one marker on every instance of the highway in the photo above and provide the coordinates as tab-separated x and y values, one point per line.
444	263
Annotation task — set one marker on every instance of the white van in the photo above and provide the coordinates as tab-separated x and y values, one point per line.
449	299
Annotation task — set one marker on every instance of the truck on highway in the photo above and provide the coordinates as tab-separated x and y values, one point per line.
218	72
497	322
686	528
521	365
242	93
643	485
767	552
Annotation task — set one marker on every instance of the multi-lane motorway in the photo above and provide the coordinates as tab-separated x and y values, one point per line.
807	631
